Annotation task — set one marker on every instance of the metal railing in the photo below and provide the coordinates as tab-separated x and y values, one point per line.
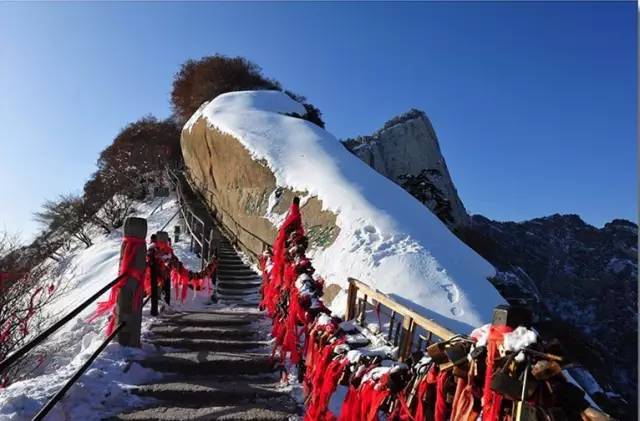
198	189
406	329
196	226
41	337
22	351
203	239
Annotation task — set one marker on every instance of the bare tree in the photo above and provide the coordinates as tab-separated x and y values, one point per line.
113	212
67	214
23	293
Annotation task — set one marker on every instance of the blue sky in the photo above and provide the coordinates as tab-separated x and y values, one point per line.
534	103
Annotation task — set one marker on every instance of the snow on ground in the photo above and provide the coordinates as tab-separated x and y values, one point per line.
102	390
387	238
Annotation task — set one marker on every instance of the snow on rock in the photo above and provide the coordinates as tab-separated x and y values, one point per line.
387	238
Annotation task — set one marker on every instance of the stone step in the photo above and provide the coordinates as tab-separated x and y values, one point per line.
238	274
222	413
209	363
240	293
210	392
233	265
229	284
235	269
249	302
213	345
194	332
228	254
229	257
240	279
209	319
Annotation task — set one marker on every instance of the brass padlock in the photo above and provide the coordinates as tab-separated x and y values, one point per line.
437	354
544	369
458	353
505	384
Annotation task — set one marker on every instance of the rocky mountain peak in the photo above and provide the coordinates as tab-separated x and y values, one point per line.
406	150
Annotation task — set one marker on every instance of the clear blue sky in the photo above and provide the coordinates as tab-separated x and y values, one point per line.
534	103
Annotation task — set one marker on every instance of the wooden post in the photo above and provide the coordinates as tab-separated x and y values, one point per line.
176	234
408	328
352	294
129	305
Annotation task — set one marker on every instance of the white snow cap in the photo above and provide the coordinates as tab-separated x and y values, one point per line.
387	238
519	339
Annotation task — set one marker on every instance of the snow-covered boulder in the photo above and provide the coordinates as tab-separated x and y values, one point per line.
248	154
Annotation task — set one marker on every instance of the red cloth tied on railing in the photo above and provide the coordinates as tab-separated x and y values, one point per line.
164	247
321	393
441	411
492	401
292	223
130	246
364	403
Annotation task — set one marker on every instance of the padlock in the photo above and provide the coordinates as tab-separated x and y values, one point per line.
524	410
458	353
505	384
461	371
478	353
437	354
544	369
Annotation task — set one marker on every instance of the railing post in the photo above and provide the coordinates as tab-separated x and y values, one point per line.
166	282
210	250
203	257
153	271
352	294
129	305
406	341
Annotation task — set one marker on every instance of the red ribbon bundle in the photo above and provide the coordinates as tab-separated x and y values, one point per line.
492	401
130	246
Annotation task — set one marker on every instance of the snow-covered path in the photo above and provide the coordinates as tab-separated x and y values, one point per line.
215	359
105	388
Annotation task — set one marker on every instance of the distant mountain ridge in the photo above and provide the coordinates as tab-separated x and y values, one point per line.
580	280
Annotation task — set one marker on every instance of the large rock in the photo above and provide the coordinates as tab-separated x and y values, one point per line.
249	153
406	150
242	190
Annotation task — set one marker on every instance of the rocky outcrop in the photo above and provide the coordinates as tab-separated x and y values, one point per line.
242	191
582	281
406	150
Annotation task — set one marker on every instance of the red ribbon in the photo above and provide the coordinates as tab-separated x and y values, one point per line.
492	401
130	246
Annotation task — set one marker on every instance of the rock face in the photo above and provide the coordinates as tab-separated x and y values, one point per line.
406	150
241	190
582	281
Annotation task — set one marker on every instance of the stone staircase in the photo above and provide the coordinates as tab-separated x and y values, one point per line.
217	365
